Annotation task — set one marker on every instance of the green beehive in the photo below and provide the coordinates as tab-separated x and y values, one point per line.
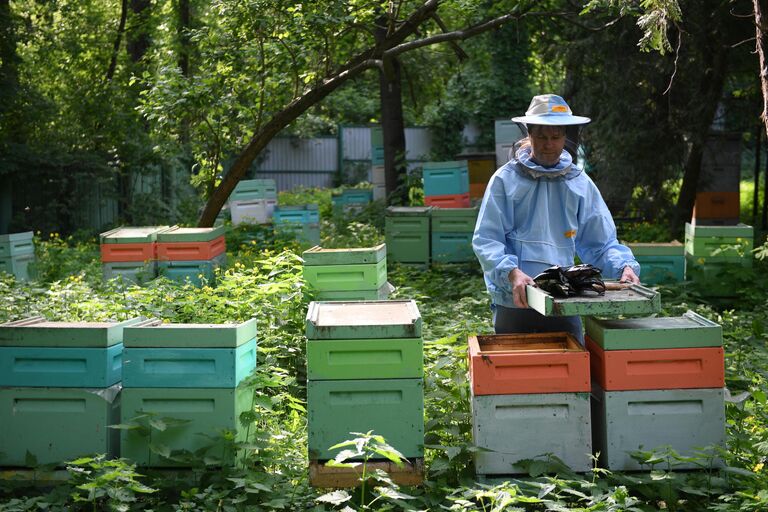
688	331
39	332
156	334
57	424
177	234
365	359
131	235
363	320
16	244
345	256
381	294
454	220
194	419
709	244
367	276
393	408
407	234
715	277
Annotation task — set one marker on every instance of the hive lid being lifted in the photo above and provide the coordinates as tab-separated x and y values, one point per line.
156	334
39	332
131	235
363	320
687	331
346	256
632	300
177	234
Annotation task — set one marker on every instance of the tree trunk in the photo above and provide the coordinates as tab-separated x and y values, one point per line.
10	122
138	36
118	39
758	154
393	130
709	96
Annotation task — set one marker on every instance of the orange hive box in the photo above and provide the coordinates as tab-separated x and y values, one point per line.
477	190
716	205
448	201
512	364
653	369
190	251
114	253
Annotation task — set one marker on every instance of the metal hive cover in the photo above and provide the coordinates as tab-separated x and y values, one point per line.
156	334
344	256
177	234
363	319
39	332
131	235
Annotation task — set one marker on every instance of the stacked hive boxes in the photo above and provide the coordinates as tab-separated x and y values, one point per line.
365	372
351	199
186	254
17	251
660	262
406	230
446	184
300	222
59	387
481	167
658	382
530	397
717	196
506	133
253	201
378	177
452	230
130	253
347	274
711	249
185	377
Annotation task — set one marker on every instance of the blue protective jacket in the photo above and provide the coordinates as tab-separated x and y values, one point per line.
533	217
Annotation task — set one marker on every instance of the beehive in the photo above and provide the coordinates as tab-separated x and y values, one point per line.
407	234
683	419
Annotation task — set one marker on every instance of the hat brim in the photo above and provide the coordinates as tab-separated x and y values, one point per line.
553	120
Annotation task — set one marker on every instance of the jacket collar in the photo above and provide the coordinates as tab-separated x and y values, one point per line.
527	166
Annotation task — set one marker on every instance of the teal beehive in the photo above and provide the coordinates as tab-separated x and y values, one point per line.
689	421
16	244
18	266
55	425
454	220
195	419
39	332
509	428
156	334
262	188
301	214
365	359
363	320
452	247
445	178
188	367
137	272
61	367
661	269
687	331
393	408
195	272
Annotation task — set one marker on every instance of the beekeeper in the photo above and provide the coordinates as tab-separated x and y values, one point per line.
540	209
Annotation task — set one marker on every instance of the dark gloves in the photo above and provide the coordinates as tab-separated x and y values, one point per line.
571	281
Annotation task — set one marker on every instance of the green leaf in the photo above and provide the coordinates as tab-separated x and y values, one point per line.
335	497
160	449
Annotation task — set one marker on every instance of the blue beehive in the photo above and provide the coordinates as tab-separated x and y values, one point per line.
192	271
60	367
446	178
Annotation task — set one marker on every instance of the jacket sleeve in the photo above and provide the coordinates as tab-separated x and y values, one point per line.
596	241
489	241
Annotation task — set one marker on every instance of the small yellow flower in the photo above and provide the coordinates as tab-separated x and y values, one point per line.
758	467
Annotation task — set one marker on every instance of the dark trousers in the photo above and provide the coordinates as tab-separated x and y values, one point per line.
517	320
